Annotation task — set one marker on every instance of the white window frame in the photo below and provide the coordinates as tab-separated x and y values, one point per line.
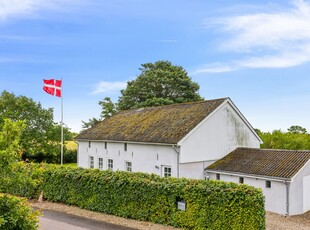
91	162
110	164
100	163
128	166
166	171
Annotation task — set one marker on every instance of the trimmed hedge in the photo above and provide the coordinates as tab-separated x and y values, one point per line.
209	204
16	214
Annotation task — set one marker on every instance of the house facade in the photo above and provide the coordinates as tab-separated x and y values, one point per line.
178	140
283	176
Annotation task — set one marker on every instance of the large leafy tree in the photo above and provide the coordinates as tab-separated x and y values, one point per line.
159	83
41	134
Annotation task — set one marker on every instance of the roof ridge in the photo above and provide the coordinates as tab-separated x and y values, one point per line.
276	150
175	104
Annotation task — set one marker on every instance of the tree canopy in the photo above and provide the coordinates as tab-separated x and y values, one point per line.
295	139
159	83
41	133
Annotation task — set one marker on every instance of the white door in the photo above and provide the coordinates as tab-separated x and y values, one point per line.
306	193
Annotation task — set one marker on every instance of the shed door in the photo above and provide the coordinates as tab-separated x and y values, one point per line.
306	193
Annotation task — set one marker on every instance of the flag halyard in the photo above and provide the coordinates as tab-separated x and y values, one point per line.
53	87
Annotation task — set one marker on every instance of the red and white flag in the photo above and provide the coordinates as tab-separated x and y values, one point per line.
52	87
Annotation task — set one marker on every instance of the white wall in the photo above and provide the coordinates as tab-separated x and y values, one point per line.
297	191
144	157
194	170
275	197
217	135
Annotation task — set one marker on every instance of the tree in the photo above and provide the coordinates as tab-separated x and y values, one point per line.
297	129
10	150
108	109
40	133
159	83
285	140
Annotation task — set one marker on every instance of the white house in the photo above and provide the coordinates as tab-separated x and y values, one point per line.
283	175
178	140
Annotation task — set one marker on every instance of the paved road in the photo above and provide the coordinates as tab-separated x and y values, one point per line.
52	220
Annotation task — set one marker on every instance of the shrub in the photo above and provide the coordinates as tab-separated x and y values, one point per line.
209	204
16	214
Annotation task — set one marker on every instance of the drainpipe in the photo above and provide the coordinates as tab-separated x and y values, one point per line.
287	183
178	160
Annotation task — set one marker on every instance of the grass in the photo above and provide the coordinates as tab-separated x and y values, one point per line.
72	165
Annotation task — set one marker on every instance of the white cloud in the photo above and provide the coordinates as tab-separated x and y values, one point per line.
267	40
103	87
214	68
22	8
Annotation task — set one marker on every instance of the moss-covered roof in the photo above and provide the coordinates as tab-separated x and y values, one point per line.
262	162
164	124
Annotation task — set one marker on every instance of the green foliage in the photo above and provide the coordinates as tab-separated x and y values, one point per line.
159	83
295	139
16	214
69	156
90	123
108	108
41	133
297	129
9	146
209	204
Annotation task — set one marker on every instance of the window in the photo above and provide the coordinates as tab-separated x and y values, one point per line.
167	171
125	146
110	164
268	184
105	145
89	144
241	180
100	163
91	162
128	166
218	177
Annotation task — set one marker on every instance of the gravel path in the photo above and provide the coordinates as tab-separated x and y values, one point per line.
273	221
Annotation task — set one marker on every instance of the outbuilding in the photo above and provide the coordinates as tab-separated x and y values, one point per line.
283	175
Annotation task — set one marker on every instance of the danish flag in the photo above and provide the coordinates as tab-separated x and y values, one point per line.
52	87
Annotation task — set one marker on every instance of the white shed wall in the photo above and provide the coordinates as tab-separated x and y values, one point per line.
194	170
275	197
297	196
144	157
218	134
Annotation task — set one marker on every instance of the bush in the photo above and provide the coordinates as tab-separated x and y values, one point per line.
16	214
209	204
69	156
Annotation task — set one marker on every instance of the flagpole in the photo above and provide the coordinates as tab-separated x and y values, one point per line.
62	126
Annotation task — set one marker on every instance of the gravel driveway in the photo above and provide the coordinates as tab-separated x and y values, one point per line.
273	221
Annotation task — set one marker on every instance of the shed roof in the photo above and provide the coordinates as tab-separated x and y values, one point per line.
164	124
263	162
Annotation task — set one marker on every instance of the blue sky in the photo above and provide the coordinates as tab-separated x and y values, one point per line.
255	52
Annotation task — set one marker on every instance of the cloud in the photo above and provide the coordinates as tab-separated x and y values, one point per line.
266	40
214	68
103	87
22	8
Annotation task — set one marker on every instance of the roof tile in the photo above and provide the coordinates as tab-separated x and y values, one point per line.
164	124
263	162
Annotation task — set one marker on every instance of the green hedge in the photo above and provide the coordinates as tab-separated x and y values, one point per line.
209	204
16	214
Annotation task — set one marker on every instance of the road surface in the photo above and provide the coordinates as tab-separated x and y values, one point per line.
51	220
